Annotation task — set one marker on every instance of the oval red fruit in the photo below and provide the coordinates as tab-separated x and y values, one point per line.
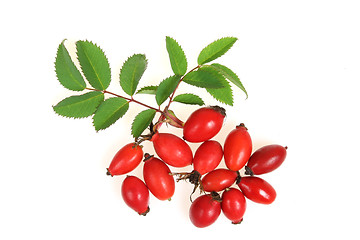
218	179
257	189
266	159
233	205
135	194
237	148
204	123
158	178
207	157
172	149
125	160
204	211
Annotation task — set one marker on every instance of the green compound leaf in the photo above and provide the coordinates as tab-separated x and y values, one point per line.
142	121
147	90
80	106
177	56
230	75
109	112
204	79
189	98
67	73
165	88
216	49
94	64
131	72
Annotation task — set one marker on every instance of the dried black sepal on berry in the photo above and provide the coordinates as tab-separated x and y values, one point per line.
193	177
238	178
248	171
215	196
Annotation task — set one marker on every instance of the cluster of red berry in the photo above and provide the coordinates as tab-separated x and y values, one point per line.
201	126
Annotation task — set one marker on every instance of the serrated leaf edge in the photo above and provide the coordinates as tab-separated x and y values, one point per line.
97	75
199	98
133	72
70	73
212	57
97	130
225	81
79	117
201	69
217	99
132	124
178	77
176	62
147	88
226	75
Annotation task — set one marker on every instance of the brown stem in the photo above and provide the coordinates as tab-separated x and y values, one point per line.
194	177
126	98
164	113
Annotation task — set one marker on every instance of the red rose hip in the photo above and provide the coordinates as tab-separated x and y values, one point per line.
237	148
126	159
218	179
233	205
257	189
204	123
266	159
172	149
207	157
158	179
204	211
135	194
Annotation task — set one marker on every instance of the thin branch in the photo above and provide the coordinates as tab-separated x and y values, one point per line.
126	98
173	93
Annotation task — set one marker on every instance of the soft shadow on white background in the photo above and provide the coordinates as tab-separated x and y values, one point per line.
299	62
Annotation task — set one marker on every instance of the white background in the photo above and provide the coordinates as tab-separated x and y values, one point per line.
299	61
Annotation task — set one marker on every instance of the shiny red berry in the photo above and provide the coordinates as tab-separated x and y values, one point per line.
218	179
172	149
207	157
135	194
237	148
125	160
203	124
266	159
158	178
233	205
204	211
257	189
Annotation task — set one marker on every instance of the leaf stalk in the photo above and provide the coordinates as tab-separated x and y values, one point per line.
181	79
126	98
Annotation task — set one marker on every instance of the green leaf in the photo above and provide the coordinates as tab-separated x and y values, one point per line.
215	49
189	98
109	112
165	88
177	56
131	72
142	121
94	64
147	90
79	106
204	79
230	75
67	73
224	94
